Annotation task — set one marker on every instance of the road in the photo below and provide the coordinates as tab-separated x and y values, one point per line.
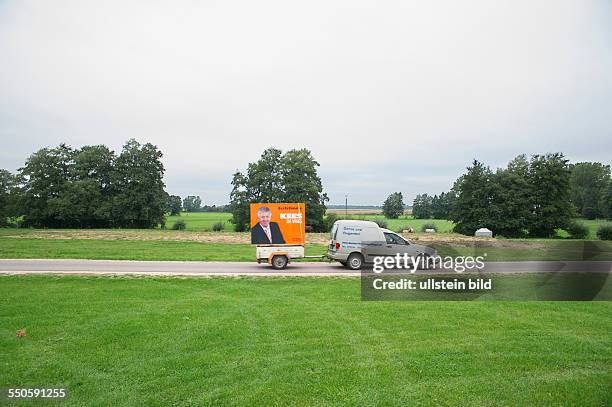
305	269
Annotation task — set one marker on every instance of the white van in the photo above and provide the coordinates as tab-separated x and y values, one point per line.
355	242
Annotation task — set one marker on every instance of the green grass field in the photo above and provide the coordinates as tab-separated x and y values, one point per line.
24	248
290	341
200	221
406	221
591	224
28	248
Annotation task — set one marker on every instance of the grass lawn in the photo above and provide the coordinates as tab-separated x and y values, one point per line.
25	248
294	341
35	248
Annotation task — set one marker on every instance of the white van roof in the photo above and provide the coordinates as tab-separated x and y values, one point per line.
356	222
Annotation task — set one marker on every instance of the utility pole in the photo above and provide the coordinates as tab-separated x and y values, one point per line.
345	205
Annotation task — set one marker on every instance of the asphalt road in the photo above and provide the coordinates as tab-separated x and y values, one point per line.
306	269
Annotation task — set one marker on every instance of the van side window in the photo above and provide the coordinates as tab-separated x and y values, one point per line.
392	238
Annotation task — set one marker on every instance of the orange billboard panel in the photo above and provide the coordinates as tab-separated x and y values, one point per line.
278	223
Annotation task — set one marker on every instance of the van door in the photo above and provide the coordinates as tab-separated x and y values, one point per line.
395	244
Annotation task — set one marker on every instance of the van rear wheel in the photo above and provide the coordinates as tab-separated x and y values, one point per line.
355	261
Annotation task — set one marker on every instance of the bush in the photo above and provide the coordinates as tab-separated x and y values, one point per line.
179	225
577	230
381	223
605	232
429	226
218	226
328	221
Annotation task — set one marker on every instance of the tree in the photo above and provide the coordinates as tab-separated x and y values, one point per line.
393	206
471	208
8	185
192	203
422	206
549	177
588	184
173	204
302	184
606	201
509	211
441	205
278	177
138	184
86	201
45	178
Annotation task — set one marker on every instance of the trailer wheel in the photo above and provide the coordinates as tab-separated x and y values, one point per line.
279	262
354	261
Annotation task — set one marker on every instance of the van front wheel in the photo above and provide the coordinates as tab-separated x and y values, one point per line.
355	261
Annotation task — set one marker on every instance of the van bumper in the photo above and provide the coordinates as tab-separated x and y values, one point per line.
337	256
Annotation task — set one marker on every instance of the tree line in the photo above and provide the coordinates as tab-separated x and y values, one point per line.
90	187
191	203
531	197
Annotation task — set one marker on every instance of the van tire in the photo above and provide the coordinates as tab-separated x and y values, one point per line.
279	262
355	261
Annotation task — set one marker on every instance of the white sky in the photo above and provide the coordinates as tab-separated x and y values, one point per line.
389	96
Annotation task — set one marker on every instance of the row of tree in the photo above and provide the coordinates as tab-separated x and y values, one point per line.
192	203
530	196
533	197
277	178
87	187
436	207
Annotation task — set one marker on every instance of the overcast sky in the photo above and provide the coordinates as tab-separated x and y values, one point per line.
389	96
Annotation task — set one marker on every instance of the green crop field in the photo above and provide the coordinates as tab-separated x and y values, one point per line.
199	221
405	222
290	341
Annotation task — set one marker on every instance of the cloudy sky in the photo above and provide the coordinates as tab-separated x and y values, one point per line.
388	95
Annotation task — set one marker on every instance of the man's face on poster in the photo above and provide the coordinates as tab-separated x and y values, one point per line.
264	218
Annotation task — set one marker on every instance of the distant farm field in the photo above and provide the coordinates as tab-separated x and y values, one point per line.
405	222
204	221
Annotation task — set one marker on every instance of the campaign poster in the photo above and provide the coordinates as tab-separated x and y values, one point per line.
278	223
